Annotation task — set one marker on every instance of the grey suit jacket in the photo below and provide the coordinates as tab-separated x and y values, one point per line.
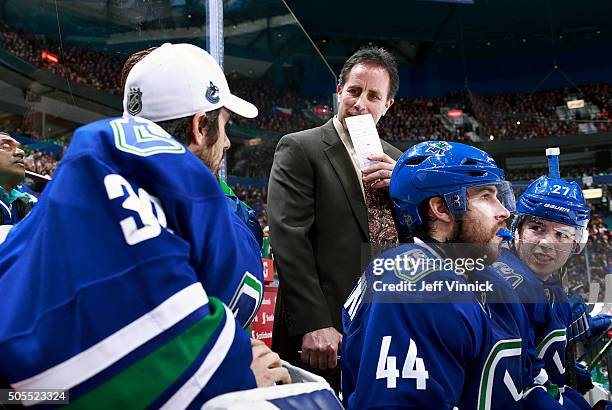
318	223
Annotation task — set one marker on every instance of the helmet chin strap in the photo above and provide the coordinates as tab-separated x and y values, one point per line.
559	276
457	235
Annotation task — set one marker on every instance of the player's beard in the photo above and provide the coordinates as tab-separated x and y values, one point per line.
210	156
481	242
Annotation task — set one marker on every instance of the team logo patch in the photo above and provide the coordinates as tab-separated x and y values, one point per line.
212	93
413	266
508	273
438	148
134	101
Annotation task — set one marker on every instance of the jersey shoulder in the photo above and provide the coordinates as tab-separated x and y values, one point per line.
131	135
519	276
144	153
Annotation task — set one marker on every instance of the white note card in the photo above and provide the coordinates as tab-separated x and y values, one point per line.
365	138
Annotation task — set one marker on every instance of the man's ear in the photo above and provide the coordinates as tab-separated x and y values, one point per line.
437	209
388	105
198	132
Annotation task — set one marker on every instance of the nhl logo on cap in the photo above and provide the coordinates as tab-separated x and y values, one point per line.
212	93
134	101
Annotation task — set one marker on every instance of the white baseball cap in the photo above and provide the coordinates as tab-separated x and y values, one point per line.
176	81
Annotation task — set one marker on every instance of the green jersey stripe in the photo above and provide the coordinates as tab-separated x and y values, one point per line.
215	357
141	383
558	335
503	348
103	354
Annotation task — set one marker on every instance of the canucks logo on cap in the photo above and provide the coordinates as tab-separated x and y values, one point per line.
212	93
438	148
134	101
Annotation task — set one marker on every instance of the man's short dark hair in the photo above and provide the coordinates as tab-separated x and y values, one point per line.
131	62
373	56
180	128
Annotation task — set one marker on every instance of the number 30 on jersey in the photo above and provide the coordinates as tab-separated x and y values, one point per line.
142	204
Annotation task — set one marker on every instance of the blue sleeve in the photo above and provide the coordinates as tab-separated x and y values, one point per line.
538	398
242	288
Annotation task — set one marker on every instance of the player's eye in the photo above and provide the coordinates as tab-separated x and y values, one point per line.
563	236
536	228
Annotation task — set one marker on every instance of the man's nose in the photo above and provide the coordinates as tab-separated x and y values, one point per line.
546	241
360	105
19	153
503	212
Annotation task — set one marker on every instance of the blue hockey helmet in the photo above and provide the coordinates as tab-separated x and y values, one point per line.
554	199
446	169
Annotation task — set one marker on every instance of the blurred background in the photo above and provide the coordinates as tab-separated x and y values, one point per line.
510	76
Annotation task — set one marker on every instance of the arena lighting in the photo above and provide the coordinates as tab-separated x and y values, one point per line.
253	141
49	57
593	193
575	104
454	113
518	123
322	110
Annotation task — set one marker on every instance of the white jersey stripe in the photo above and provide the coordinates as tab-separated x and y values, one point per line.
103	354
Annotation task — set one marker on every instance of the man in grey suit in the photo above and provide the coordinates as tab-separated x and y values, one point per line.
318	216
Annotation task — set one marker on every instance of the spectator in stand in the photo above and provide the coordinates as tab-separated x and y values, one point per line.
100	70
14	204
43	163
508	116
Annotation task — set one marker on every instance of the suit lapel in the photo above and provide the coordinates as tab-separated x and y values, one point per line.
388	148
340	160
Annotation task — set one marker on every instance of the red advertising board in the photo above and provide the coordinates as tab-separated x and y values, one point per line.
264	319
268	269
49	57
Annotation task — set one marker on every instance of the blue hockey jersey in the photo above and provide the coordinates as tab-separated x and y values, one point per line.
548	312
413	340
110	280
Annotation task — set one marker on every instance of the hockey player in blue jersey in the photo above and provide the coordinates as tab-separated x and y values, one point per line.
240	286
551	225
416	336
105	284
